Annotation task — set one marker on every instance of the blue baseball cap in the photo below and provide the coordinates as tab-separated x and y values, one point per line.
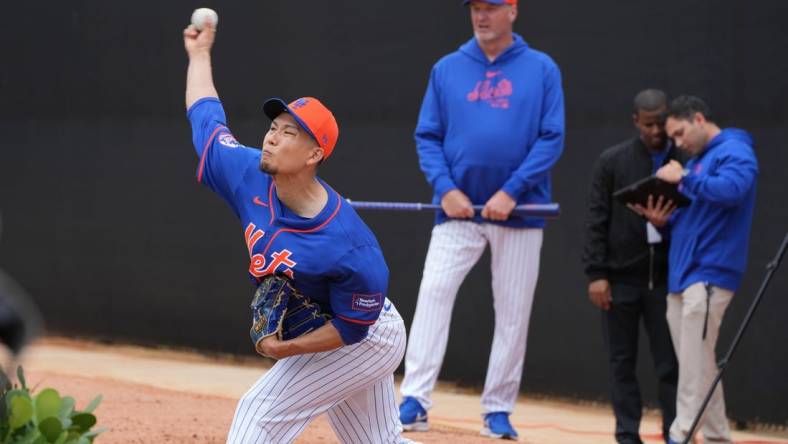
493	2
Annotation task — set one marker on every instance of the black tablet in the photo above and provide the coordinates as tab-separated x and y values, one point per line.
638	192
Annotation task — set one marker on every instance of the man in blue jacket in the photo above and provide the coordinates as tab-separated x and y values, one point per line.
490	129
708	252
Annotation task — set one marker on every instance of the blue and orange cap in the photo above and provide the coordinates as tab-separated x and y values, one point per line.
493	2
313	116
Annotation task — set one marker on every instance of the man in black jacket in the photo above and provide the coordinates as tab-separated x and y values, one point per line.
625	260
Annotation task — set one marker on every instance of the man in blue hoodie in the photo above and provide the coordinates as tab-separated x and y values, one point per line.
490	129
708	252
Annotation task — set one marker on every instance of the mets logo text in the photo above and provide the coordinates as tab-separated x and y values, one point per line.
258	265
495	90
299	103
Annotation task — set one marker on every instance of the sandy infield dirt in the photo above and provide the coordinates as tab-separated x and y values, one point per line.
140	414
167	396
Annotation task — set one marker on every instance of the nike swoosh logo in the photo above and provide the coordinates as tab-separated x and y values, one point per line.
257	201
387	307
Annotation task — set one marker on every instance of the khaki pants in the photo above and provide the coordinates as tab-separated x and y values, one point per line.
687	314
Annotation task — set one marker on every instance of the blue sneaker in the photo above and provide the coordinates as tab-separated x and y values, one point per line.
412	415
497	425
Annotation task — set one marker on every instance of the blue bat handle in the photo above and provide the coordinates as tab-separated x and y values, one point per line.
550	210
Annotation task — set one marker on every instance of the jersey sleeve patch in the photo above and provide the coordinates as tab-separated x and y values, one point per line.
367	302
228	140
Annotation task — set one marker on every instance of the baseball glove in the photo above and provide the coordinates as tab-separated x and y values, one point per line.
279	309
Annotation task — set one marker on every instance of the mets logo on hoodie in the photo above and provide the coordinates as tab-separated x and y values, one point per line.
494	89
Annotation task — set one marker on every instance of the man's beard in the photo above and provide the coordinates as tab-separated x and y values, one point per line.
267	168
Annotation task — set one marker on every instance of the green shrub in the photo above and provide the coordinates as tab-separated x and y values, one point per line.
42	418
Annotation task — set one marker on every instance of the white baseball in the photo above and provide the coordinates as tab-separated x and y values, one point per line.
203	16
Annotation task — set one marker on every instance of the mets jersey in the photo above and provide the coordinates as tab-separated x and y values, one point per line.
333	258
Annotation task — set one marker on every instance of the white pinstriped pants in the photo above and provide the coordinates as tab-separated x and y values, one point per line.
354	384
454	249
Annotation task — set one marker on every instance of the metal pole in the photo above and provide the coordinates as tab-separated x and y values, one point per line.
770	269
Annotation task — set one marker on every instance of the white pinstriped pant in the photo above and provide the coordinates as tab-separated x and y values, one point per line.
354	384
454	249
